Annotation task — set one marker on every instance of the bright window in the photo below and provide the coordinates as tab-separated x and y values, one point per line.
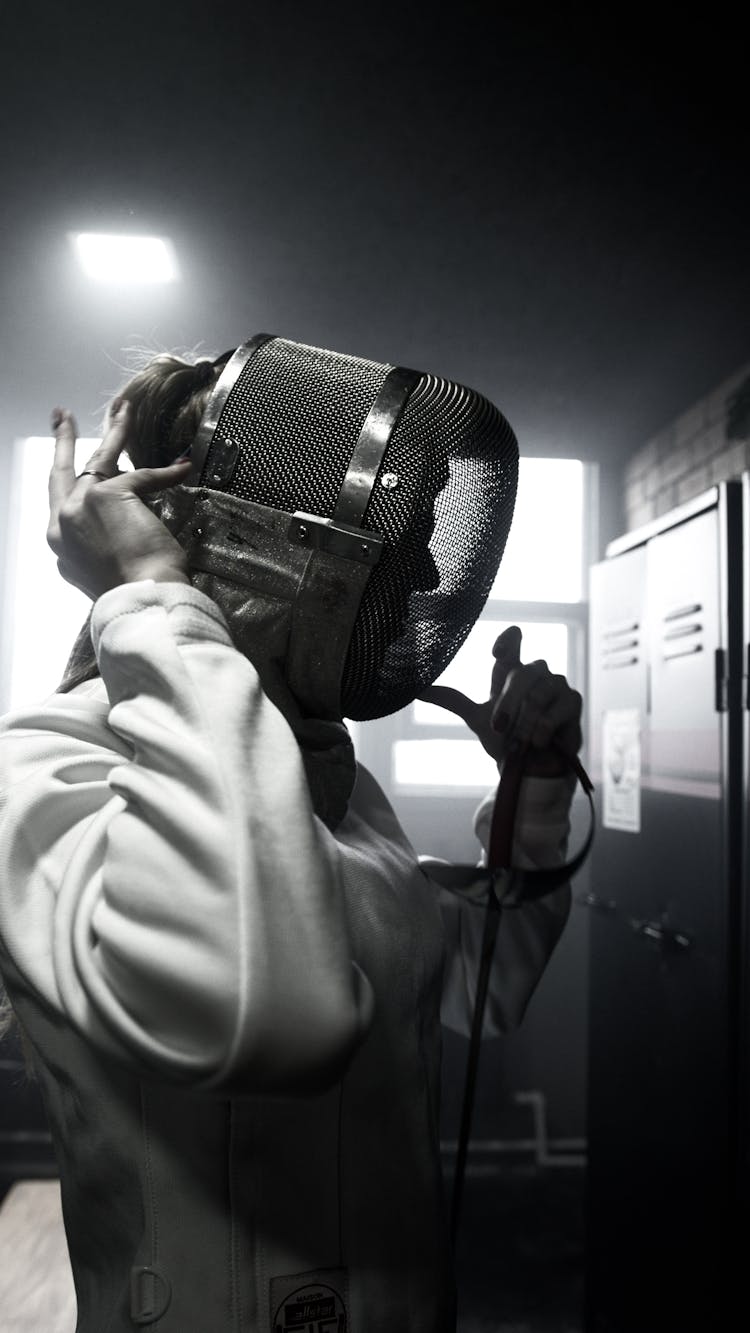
436	763
543	556
540	588
41	612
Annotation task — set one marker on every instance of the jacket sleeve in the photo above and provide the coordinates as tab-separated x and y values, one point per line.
166	883
527	935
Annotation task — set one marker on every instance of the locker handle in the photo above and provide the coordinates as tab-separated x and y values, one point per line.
720	681
662	935
596	903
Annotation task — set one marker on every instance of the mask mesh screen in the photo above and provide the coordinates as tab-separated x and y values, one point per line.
297	413
431	583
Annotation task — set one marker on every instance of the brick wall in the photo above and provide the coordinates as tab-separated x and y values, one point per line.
698	449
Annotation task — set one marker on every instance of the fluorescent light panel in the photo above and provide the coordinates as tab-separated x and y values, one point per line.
126	260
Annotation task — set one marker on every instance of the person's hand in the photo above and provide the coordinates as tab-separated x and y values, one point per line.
528	708
99	528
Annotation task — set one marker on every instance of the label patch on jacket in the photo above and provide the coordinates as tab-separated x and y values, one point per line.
311	1302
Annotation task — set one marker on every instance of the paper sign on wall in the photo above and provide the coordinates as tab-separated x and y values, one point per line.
621	770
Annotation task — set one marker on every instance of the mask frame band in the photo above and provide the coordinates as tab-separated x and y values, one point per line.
373	441
327	602
216	403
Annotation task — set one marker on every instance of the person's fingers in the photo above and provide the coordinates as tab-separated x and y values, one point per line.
508	644
549	711
105	458
529	694
519	682
145	480
62	475
506	651
559	719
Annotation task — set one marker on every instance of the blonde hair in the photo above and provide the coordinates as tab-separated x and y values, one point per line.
9	1023
167	397
7	1013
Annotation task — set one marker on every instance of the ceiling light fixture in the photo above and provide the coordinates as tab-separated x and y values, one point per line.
126	260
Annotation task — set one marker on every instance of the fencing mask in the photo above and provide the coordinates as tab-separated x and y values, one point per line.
349	518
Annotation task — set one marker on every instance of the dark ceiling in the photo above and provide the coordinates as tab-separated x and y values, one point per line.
550	208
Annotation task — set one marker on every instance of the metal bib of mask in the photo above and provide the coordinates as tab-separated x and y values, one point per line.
358	511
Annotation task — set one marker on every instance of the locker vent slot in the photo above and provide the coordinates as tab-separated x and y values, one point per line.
687	651
619	647
620	643
611	663
682	630
623	627
683	611
692	631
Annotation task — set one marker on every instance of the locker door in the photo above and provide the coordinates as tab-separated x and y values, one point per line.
743	933
617	1008
660	1060
686	1140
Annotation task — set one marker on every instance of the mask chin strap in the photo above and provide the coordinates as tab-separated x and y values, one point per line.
342	555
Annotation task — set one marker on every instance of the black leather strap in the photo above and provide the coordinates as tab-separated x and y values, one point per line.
491	926
525	886
529	885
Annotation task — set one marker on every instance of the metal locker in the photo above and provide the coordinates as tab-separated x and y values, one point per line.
665	891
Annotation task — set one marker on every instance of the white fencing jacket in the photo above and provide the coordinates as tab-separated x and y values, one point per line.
235	1013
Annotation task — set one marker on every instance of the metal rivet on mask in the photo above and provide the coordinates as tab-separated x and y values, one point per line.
197	532
302	532
389	480
364	548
